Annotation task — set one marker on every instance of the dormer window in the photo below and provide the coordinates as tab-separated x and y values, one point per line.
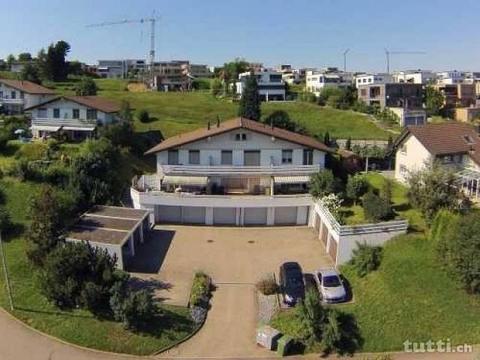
468	139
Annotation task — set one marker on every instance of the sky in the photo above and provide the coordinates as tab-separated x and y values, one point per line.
304	33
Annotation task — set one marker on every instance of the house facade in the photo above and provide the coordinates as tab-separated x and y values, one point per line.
75	116
238	173
455	145
316	81
271	85
17	95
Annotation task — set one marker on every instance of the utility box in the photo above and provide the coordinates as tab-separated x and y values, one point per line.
284	345
268	337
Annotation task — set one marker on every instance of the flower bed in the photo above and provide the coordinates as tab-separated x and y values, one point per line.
200	297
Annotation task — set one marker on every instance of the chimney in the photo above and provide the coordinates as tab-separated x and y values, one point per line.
208	125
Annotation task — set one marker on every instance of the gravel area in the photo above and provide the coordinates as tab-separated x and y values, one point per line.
267	307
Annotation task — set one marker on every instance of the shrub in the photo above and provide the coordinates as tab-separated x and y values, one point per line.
139	308
5	221
366	259
200	289
324	183
267	286
376	208
312	315
143	116
357	186
198	314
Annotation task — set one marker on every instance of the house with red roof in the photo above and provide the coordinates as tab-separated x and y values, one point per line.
16	95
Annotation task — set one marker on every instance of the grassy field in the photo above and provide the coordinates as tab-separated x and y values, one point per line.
354	213
409	297
78	326
177	112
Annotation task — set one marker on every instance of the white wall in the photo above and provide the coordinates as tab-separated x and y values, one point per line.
414	159
28	100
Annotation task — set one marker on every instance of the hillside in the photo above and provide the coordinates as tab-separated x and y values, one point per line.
176	112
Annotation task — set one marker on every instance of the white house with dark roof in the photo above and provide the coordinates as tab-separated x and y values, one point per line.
239	172
75	116
17	95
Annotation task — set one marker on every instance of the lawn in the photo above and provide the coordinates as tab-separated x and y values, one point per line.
78	327
354	213
409	297
177	112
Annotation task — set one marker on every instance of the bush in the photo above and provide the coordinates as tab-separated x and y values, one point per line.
267	286
200	292
375	208
139	308
324	183
366	259
198	314
5	221
143	116
357	186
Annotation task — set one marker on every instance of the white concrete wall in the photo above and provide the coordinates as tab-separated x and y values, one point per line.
414	159
271	150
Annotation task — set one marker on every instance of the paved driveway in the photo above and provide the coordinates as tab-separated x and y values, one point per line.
235	258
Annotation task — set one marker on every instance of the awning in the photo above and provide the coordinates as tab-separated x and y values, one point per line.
291	179
186	180
76	128
46	128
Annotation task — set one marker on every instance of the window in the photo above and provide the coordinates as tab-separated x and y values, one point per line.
1	94
172	157
227	158
403	149
42	113
13	95
241	137
307	157
194	157
22	95
91	114
76	113
287	156
251	158
56	113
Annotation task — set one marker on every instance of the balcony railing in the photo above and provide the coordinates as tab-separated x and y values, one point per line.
62	122
17	101
219	170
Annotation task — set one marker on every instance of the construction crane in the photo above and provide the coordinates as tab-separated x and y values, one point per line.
152	20
388	53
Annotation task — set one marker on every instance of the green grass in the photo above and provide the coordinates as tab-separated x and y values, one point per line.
78	327
176	112
408	297
355	215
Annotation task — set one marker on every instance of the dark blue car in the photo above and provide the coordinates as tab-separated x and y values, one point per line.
291	283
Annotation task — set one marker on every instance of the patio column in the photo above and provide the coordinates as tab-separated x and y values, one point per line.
272	185
131	244
141	232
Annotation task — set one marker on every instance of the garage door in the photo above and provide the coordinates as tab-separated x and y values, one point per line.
255	216
193	215
286	215
168	214
224	216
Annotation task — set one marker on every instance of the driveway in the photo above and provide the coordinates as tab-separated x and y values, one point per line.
235	258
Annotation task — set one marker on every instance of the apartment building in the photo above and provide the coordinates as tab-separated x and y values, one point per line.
458	94
316	81
119	69
373	79
451	77
415	76
16	95
239	172
271	86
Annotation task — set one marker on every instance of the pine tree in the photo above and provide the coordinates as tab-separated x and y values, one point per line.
250	102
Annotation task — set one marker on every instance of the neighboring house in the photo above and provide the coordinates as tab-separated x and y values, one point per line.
453	144
451	77
170	75
467	114
270	84
415	76
17	95
75	116
373	79
316	81
462	95
196	70
239	172
408	117
114	69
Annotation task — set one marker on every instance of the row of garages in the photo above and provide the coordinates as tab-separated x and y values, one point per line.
232	216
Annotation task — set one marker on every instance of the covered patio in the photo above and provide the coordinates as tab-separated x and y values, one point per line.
469	182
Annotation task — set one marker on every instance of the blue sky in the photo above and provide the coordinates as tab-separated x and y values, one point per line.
300	32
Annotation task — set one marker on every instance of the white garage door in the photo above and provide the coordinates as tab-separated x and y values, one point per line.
286	215
224	216
302	215
255	216
193	215
168	214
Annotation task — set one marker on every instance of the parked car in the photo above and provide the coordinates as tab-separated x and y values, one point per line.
310	282
330	286
291	283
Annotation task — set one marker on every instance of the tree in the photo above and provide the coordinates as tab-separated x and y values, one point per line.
281	119
375	208
86	87
125	112
434	100
216	87
47	213
357	186
435	188
31	73
312	316
366	258
52	63
5	221
143	116
24	57
249	106
323	183
10	60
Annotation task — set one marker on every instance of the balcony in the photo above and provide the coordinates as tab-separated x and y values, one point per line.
55	124
226	170
8	100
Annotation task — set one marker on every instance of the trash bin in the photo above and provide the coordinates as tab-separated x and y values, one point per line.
284	344
268	337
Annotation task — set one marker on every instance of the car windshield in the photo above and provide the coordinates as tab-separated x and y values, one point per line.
331	281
